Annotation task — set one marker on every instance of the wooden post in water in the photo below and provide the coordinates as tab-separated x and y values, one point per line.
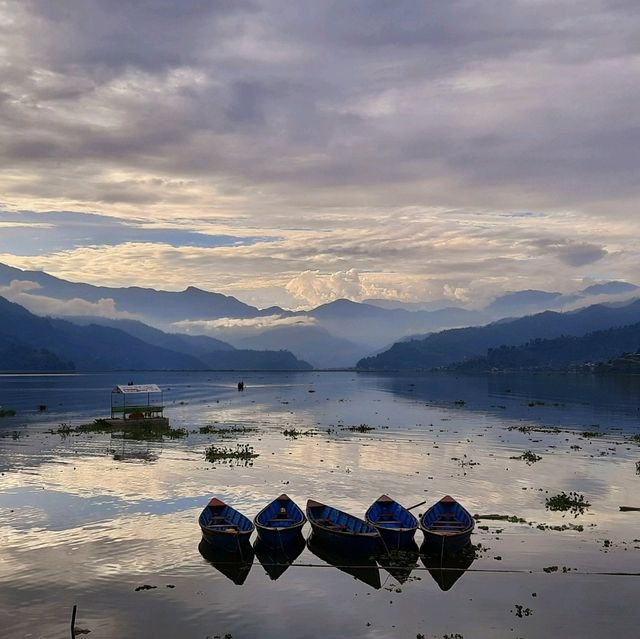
73	622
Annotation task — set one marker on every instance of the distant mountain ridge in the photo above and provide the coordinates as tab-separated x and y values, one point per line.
56	344
332	335
560	353
456	345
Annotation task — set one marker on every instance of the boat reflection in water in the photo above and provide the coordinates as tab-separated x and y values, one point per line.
400	563
276	560
233	565
447	569
362	566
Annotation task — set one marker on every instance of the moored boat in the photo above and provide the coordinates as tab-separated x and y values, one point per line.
446	526
280	523
395	524
341	529
224	527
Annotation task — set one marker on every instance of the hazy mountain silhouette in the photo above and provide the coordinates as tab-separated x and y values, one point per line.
456	345
96	347
559	353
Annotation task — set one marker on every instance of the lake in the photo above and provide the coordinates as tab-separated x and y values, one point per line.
110	523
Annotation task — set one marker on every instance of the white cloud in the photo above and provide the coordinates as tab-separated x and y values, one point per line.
21	292
255	323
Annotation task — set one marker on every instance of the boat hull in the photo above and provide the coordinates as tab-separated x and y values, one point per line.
446	527
342	531
280	523
395	524
225	528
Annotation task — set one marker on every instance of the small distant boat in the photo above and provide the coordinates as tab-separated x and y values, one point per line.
280	523
446	526
341	529
276	561
396	525
233	565
362	567
224	527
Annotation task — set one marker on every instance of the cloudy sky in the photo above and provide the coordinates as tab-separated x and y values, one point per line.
295	152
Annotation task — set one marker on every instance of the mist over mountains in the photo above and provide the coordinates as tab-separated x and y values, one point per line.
195	328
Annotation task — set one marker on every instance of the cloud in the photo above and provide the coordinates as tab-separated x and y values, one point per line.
572	253
418	145
21	292
256	323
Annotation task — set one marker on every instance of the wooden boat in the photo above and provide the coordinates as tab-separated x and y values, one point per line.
276	561
341	529
233	565
224	527
280	523
362	567
395	524
446	526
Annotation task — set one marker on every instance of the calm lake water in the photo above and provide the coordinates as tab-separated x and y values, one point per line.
88	518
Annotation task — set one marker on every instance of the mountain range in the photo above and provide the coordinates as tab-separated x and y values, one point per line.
29	342
196	323
457	345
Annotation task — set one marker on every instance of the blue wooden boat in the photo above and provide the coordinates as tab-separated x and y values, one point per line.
395	524
280	523
446	526
224	527
341	529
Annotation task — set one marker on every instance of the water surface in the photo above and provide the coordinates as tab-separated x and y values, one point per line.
87	518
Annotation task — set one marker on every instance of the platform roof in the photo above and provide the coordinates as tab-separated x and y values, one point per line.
137	388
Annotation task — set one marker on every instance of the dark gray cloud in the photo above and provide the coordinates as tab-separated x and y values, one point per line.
284	115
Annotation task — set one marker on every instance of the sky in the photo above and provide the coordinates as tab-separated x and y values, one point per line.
293	153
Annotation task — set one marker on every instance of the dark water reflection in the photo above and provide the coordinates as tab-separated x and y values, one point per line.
447	569
359	566
233	565
400	563
87	518
276	561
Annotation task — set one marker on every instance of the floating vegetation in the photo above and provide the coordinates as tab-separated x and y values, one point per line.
294	433
521	611
536	429
459	402
635	438
145	432
571	502
7	412
363	428
591	433
242	452
510	518
233	431
176	433
576	527
529	457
